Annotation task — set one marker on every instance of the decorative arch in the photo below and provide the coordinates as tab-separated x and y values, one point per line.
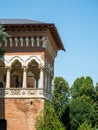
39	61
6	62
16	61
16	58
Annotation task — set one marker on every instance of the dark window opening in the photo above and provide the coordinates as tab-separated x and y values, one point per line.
1	85
3	124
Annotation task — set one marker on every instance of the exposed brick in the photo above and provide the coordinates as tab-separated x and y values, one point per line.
20	113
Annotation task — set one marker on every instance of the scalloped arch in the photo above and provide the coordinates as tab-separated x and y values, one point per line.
16	58
33	58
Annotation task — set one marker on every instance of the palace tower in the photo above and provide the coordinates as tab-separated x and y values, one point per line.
26	71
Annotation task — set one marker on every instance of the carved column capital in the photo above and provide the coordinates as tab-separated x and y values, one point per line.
25	68
41	66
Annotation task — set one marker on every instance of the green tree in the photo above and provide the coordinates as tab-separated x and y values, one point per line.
85	126
96	95
65	118
3	35
96	103
48	120
83	86
60	95
81	111
82	104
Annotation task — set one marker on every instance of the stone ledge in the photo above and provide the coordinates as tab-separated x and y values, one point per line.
24	93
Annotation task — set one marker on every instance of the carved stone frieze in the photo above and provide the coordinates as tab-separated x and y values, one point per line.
23	93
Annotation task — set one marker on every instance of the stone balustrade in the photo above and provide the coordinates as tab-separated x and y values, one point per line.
29	42
23	42
24	93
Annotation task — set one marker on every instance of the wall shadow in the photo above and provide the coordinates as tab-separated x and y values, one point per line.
3	122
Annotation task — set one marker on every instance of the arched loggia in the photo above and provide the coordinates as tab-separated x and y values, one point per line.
16	74
33	73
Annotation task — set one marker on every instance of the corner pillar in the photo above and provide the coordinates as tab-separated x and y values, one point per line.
24	84
41	85
8	78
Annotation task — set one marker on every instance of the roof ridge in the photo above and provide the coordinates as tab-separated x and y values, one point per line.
19	21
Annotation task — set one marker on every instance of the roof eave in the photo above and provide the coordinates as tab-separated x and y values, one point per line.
52	29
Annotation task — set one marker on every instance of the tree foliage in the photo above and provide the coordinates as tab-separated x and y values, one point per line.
3	34
60	94
48	120
85	126
83	105
81	111
96	94
83	86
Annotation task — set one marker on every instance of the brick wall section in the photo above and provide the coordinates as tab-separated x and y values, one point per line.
21	114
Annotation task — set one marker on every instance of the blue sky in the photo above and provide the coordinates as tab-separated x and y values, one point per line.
77	24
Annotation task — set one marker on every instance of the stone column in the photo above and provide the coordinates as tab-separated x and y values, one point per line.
34	83
45	76
47	82
24	84
44	41
37	41
8	78
16	42
41	77
51	84
32	41
21	41
5	41
10	39
27	42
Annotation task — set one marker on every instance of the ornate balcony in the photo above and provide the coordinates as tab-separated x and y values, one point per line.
24	93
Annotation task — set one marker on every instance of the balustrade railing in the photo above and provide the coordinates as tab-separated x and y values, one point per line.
24	93
24	42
